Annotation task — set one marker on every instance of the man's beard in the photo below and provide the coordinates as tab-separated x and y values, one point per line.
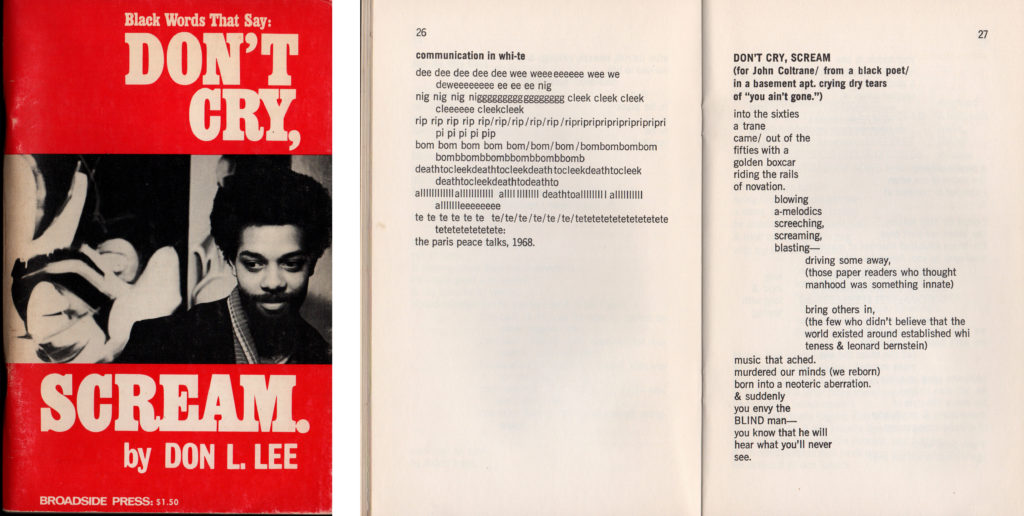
273	332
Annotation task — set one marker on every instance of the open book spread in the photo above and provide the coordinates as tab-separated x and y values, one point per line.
719	258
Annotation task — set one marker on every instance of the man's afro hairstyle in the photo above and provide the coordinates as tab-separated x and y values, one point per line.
267	195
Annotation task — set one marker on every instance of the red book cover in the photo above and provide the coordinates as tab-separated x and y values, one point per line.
167	256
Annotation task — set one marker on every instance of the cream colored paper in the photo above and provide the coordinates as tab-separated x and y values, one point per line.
562	378
926	172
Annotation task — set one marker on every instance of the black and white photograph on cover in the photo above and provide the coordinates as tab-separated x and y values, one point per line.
93	244
258	267
167	259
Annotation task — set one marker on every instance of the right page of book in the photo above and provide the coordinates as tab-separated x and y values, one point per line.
864	249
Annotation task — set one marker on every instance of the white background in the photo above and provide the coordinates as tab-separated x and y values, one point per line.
346	342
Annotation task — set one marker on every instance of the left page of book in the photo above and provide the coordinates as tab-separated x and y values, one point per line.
167	263
535	233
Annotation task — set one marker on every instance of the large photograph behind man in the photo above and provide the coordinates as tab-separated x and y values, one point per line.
93	244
